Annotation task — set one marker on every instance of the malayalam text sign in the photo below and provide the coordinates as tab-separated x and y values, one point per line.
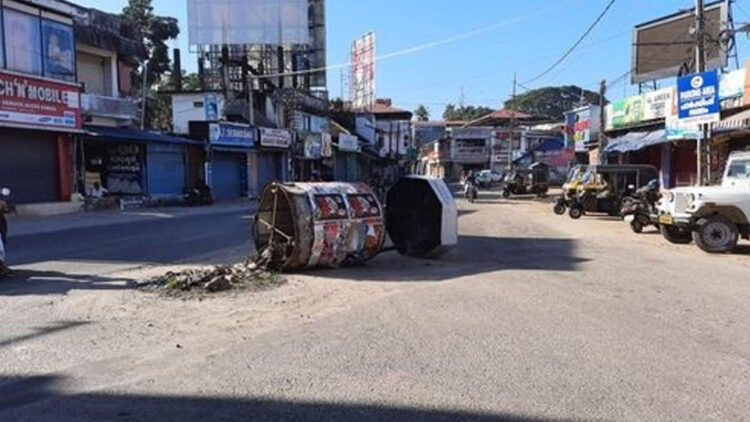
698	98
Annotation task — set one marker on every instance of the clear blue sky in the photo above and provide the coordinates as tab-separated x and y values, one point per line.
536	34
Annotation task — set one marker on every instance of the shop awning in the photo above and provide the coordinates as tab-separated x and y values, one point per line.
634	141
740	121
134	135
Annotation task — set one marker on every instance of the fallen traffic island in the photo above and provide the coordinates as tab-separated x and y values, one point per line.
329	225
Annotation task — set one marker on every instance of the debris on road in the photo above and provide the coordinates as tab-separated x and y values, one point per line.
245	276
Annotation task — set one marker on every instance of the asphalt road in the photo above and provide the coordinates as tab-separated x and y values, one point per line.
533	317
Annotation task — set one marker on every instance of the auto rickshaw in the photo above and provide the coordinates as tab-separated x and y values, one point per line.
569	189
603	188
531	181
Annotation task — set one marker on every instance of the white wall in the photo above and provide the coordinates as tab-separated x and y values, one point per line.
190	107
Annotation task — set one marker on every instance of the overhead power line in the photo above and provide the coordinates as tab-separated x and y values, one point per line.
428	45
577	43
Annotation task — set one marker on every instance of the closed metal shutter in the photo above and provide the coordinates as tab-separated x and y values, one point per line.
227	175
28	165
270	168
166	170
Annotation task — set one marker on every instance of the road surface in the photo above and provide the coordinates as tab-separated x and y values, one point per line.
534	317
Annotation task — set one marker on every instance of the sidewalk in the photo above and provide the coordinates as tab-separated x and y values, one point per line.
24	226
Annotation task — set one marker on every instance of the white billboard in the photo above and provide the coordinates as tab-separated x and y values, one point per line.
363	72
240	22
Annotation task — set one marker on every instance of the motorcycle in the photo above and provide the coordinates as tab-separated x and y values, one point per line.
639	209
198	195
5	207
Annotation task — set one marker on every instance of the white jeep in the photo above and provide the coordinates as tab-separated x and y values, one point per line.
715	217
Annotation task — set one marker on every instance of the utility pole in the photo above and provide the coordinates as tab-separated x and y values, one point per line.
512	122
700	66
143	94
601	138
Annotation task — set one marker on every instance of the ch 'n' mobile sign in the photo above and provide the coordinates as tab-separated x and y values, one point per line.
40	103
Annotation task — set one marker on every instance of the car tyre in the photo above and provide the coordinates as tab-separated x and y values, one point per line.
675	235
716	234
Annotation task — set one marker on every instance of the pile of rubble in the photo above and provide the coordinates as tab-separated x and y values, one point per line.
246	276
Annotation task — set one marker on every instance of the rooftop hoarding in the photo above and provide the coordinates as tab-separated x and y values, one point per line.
665	47
362	70
243	22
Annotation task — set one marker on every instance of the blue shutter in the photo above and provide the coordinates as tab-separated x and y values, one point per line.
166	170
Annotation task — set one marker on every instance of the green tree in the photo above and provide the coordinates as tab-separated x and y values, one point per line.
422	113
467	113
553	102
154	31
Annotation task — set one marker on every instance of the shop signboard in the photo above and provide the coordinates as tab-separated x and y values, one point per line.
229	134
312	146
211	107
40	103
627	111
658	104
275	138
326	145
732	84
348	143
582	127
698	98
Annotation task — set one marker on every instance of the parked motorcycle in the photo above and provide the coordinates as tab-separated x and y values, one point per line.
198	195
639	209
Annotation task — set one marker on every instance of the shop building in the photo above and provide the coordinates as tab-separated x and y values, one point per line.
40	100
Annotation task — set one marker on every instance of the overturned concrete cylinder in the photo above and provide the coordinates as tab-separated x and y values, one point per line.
305	225
422	217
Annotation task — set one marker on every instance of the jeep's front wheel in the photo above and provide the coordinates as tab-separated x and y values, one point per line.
716	234
675	235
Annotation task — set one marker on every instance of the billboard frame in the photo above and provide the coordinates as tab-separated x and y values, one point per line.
674	71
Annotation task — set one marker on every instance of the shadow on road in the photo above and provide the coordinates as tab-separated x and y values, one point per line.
43	331
154	241
40	399
474	255
27	282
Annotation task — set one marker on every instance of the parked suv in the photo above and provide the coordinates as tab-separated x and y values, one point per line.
715	217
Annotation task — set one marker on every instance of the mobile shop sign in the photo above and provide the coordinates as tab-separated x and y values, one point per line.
348	143
37	102
698	98
276	138
231	135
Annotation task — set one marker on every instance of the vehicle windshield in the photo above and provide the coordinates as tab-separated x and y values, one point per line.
739	169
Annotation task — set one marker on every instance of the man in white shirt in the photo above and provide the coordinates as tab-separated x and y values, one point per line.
97	191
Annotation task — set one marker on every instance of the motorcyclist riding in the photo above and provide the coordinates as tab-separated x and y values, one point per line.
470	186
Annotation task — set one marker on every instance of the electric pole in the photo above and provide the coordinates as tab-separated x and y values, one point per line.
700	66
512	122
602	120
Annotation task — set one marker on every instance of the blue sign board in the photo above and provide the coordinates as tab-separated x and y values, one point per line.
229	134
698	98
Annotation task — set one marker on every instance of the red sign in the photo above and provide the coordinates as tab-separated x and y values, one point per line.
40	103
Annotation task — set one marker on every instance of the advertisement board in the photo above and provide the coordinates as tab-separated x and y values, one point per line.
362	72
40	103
698	98
326	145
275	138
229	134
241	22
582	127
312	146
348	143
58	46
22	42
627	111
732	84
